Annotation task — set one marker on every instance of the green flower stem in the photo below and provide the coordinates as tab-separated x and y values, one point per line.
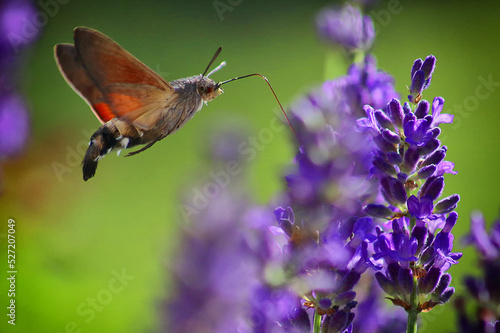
317	322
413	311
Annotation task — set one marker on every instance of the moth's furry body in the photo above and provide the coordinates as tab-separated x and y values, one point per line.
120	134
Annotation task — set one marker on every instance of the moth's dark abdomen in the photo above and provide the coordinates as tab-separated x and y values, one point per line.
101	142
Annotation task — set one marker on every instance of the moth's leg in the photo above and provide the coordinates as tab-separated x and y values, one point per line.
142	149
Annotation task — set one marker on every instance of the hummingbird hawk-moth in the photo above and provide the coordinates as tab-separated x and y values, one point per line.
135	105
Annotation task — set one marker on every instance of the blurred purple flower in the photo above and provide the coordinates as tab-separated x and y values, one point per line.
333	160
19	24
488	245
374	316
347	27
220	278
484	290
367	84
14	125
325	234
17	30
224	146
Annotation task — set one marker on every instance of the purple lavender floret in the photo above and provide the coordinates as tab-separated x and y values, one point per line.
346	27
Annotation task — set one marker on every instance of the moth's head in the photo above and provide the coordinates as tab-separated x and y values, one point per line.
208	89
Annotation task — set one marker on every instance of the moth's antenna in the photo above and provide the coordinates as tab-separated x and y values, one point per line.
212	61
222	64
269	84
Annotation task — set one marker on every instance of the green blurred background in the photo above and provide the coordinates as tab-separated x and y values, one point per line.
74	237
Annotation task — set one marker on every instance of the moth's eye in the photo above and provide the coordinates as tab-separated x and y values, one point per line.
203	89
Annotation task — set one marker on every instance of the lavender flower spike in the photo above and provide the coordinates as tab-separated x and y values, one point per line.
409	163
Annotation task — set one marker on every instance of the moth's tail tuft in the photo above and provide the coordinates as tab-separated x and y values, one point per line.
101	143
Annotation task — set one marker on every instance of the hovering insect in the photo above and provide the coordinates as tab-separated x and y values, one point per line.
135	105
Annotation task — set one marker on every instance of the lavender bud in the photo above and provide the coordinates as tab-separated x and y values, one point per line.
383	144
420	234
383	166
443	284
410	160
417	86
429	147
396	112
348	282
407	109
385	188
394	158
435	158
434	132
447	204
446	295
428	66
428	283
393	270
383	120
405	280
426	172
350	318
422	109
390	136
409	117
434	189
417	65
344	298
377	210
386	284
398	191
338	322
